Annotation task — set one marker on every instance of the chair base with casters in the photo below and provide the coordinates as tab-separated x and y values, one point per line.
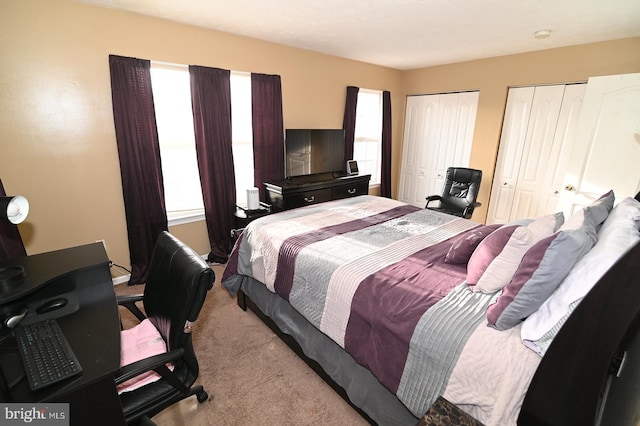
173	297
459	193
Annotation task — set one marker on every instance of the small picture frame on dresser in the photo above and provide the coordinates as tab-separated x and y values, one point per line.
352	167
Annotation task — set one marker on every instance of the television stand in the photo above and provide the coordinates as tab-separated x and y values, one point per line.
299	191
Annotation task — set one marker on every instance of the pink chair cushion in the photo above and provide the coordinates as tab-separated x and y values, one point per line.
136	343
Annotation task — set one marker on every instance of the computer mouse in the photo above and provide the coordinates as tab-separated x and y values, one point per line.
51	305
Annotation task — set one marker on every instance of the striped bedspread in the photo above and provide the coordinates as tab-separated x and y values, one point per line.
369	273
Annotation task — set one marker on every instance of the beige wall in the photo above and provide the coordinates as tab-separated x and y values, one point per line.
494	76
57	138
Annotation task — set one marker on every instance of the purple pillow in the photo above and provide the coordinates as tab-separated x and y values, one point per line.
463	247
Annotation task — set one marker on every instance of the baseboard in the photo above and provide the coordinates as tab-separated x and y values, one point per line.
121	279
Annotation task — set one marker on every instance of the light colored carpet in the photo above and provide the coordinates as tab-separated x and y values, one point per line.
251	376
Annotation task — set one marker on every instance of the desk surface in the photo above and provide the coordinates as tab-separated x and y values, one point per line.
92	327
45	267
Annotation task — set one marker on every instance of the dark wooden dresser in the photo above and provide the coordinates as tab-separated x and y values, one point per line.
302	191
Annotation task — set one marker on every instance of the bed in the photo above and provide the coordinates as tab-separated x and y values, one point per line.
395	305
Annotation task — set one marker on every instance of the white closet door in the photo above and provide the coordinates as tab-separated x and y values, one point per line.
456	120
559	158
607	149
514	132
537	149
538	130
420	124
438	134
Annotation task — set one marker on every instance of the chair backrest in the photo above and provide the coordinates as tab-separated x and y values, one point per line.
176	288
461	187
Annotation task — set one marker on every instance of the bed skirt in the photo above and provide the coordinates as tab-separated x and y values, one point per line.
360	386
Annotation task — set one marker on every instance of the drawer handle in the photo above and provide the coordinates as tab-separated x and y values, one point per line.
310	199
351	191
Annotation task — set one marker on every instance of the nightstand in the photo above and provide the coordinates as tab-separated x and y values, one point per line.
244	216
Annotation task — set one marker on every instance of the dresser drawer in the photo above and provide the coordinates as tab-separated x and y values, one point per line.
351	190
300	199
305	190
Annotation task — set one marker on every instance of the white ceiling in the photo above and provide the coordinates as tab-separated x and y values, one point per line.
405	34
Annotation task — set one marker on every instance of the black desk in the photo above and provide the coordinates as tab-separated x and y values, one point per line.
90	322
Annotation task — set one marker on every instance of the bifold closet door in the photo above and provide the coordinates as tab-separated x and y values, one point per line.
537	135
438	134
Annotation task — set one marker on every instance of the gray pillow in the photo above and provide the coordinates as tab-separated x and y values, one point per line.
546	264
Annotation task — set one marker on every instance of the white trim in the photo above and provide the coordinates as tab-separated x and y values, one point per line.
169	65
186	218
375	91
121	279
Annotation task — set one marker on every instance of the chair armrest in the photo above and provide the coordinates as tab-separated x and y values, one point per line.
431	198
468	212
123	300
154	362
129	302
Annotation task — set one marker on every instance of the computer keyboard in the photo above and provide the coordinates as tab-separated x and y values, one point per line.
46	354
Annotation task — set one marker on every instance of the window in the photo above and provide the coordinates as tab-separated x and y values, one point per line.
367	146
242	133
174	118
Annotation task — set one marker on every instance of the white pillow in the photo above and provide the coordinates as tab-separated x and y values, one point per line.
617	235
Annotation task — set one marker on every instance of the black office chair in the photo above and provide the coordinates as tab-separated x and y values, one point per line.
174	293
460	192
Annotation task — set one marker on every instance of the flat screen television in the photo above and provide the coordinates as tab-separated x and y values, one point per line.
313	151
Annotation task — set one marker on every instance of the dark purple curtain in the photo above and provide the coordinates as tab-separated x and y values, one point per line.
385	172
211	102
268	130
349	121
139	153
11	245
